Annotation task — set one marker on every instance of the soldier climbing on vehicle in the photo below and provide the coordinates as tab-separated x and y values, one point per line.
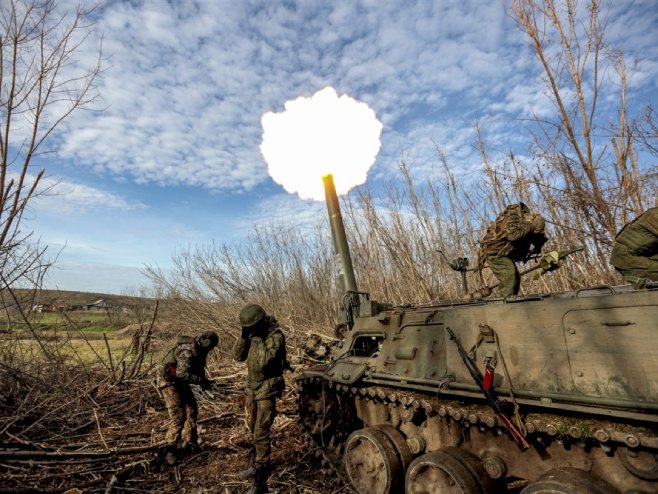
263	346
183	366
635	251
515	236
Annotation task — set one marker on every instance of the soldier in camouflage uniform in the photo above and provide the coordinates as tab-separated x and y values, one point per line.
635	252
182	366
263	346
515	235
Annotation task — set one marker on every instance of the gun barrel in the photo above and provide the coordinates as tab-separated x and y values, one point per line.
470	365
341	249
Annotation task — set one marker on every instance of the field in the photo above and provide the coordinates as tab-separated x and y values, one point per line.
88	337
90	322
80	409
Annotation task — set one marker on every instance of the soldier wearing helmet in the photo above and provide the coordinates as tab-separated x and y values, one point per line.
263	346
515	235
183	366
635	251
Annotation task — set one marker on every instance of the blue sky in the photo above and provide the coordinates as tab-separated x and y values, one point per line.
173	159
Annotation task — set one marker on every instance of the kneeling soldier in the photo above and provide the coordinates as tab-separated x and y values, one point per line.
514	236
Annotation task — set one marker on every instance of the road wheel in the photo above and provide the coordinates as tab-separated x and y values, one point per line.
448	471
372	462
400	445
569	481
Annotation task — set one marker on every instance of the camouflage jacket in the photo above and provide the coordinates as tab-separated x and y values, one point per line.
185	363
511	235
638	238
266	360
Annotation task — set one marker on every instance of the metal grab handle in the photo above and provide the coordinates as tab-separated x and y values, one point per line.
618	323
593	288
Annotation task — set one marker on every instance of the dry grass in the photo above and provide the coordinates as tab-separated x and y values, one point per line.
394	241
87	349
60	414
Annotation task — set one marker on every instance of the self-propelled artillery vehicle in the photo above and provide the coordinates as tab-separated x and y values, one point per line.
550	393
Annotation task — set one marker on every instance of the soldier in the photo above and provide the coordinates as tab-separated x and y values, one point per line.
635	252
182	366
516	234
263	346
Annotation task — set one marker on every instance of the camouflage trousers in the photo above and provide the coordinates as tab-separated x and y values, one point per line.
260	416
632	266
183	413
507	274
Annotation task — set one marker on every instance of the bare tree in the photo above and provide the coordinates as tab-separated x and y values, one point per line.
41	84
647	133
588	148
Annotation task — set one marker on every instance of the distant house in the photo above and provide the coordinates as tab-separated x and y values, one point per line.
38	309
59	306
99	305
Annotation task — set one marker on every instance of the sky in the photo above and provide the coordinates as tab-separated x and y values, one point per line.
171	157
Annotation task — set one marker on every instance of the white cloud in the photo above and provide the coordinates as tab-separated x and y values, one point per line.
65	197
188	83
525	100
285	209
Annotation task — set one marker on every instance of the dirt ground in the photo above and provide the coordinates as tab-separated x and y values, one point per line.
296	467
125	418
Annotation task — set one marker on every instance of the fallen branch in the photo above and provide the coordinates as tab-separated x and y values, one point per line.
79	487
65	455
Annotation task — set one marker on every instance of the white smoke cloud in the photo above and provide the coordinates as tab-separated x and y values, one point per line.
320	135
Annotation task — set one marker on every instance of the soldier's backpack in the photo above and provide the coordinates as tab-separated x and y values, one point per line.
169	366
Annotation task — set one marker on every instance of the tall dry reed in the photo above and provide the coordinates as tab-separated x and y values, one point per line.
395	237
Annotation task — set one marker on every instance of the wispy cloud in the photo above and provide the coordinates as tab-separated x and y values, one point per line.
66	197
69	274
187	82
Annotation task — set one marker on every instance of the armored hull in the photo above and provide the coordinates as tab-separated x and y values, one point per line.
399	411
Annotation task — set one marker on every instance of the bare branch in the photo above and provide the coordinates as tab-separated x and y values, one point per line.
41	84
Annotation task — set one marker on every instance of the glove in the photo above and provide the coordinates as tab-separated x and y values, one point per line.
205	384
549	262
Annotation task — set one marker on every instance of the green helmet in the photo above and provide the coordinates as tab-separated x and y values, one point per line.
251	314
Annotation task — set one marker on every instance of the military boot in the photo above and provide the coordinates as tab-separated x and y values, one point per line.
248	473
262	472
258	489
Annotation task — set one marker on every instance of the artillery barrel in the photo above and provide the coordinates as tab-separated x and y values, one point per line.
341	249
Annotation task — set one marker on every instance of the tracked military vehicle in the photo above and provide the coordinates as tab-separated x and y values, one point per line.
550	393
